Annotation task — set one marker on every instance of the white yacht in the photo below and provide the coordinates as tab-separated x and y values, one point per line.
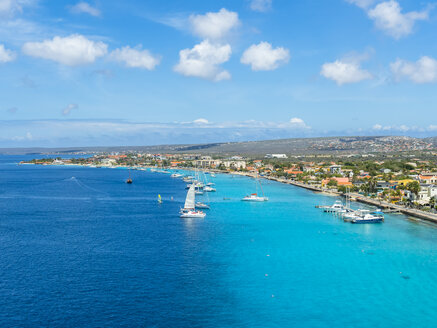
338	206
368	218
189	210
254	196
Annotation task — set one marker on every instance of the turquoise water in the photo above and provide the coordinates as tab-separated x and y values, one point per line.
79	247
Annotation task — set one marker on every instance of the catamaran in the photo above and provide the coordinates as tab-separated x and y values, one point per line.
254	197
189	210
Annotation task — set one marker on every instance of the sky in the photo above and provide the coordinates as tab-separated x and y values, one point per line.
143	72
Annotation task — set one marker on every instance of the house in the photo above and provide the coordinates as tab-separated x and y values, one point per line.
427	191
430	178
381	185
340	181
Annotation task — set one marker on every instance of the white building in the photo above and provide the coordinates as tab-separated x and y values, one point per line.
426	192
335	169
276	156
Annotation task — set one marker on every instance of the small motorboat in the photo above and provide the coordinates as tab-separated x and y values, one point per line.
202	205
368	218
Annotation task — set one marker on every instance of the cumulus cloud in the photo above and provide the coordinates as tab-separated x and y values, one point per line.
423	70
262	57
6	55
201	121
67	110
362	3
136	57
72	50
203	61
214	25
84	7
346	70
298	123
261	5
388	17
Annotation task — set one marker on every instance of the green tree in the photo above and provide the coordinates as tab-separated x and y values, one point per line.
414	187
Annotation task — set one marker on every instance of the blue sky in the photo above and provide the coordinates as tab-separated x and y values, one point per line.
78	73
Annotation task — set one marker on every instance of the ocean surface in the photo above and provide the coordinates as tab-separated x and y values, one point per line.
81	248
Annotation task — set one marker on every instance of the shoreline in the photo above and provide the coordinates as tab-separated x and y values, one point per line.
429	217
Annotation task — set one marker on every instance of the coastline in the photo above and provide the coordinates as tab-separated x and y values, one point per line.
429	217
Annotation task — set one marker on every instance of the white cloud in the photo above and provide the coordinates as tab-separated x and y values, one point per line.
201	121
423	70
10	7
136	57
346	70
6	55
262	57
67	110
84	7
214	25
72	50
298	123
28	136
261	5
388	17
362	3
203	61
377	127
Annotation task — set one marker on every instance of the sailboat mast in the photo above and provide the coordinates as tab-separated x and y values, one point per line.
259	182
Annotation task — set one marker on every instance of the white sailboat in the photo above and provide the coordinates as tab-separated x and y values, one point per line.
254	197
189	210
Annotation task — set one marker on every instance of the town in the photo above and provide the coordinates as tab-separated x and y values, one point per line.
406	179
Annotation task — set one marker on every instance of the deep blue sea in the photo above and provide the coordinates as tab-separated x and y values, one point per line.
81	248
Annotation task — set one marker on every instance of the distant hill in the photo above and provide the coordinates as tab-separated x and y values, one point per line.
286	146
